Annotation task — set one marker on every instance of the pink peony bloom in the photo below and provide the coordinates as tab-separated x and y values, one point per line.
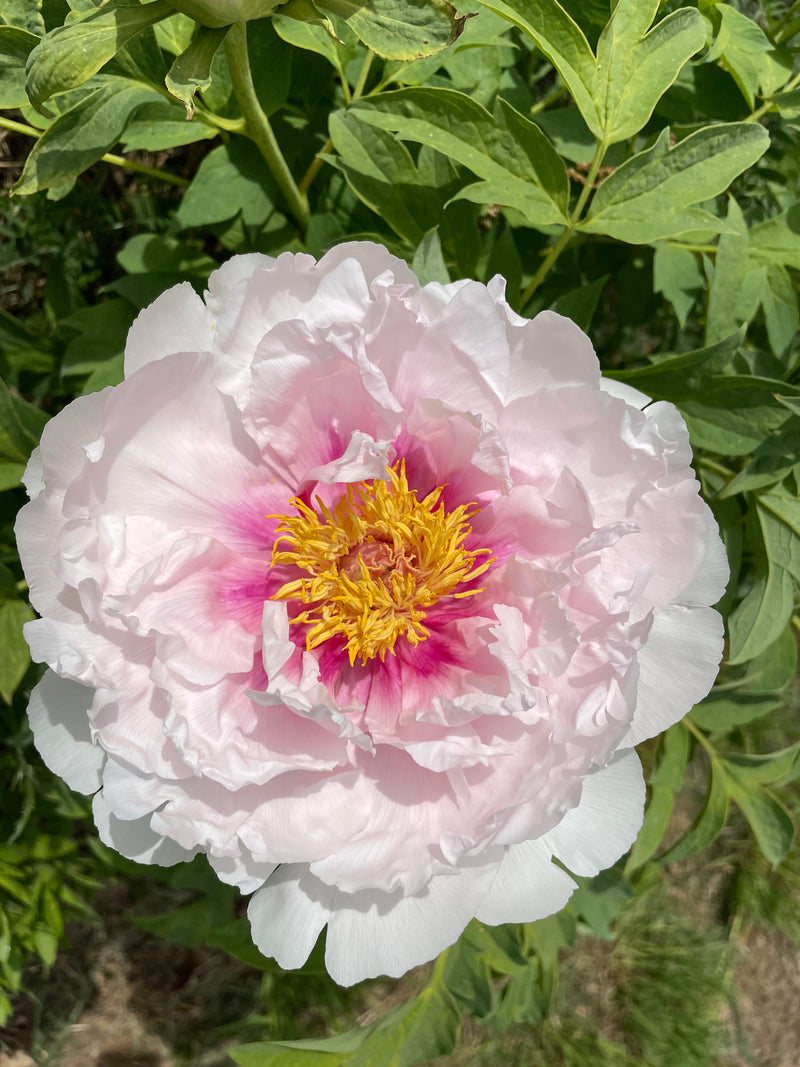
367	590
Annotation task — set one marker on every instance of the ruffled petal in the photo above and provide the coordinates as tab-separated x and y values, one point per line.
58	714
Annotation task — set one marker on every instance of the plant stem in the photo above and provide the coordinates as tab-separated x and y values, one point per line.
257	126
701	738
566	235
717	468
114	160
756	115
315	166
362	78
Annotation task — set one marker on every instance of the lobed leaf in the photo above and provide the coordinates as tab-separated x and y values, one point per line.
399	29
71	54
520	167
652	195
617	90
82	135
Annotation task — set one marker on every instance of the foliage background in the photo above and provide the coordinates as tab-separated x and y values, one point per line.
645	184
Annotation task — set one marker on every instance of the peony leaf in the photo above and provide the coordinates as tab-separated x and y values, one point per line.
665	782
399	29
21	426
415	1032
761	617
236	167
651	196
677	276
428	263
24	14
191	71
729	302
382	173
82	135
316	35
768	819
618	90
778	239
520	167
742	48
15	47
14	655
69	55
708	823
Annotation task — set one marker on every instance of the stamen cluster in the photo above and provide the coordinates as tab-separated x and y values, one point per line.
376	563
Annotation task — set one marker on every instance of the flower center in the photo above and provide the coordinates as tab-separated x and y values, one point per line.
376	563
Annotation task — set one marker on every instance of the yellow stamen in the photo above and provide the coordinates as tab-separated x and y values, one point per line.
376	563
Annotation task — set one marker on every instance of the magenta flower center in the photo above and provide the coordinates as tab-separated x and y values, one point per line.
375	564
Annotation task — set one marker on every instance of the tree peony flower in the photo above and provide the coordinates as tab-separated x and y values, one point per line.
366	589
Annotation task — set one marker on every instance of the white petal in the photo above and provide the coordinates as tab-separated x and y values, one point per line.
677	667
605	823
372	933
134	839
625	392
33	478
178	321
288	913
58	713
528	886
709	583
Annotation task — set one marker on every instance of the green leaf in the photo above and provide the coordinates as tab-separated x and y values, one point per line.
102	331
763	768
21	426
740	47
618	90
418	1031
721	712
160	125
708	823
24	14
580	304
778	239
672	376
520	167
381	172
10	475
677	276
322	1052
726	310
665	782
316	35
764	613
191	71
635	68
238	168
15	47
428	263
599	901
651	196
14	654
734	414
82	135
776	293
399	29
768	819
69	55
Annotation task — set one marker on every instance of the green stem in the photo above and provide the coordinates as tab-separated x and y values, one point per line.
114	160
362	78
701	738
566	235
717	468
257	126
